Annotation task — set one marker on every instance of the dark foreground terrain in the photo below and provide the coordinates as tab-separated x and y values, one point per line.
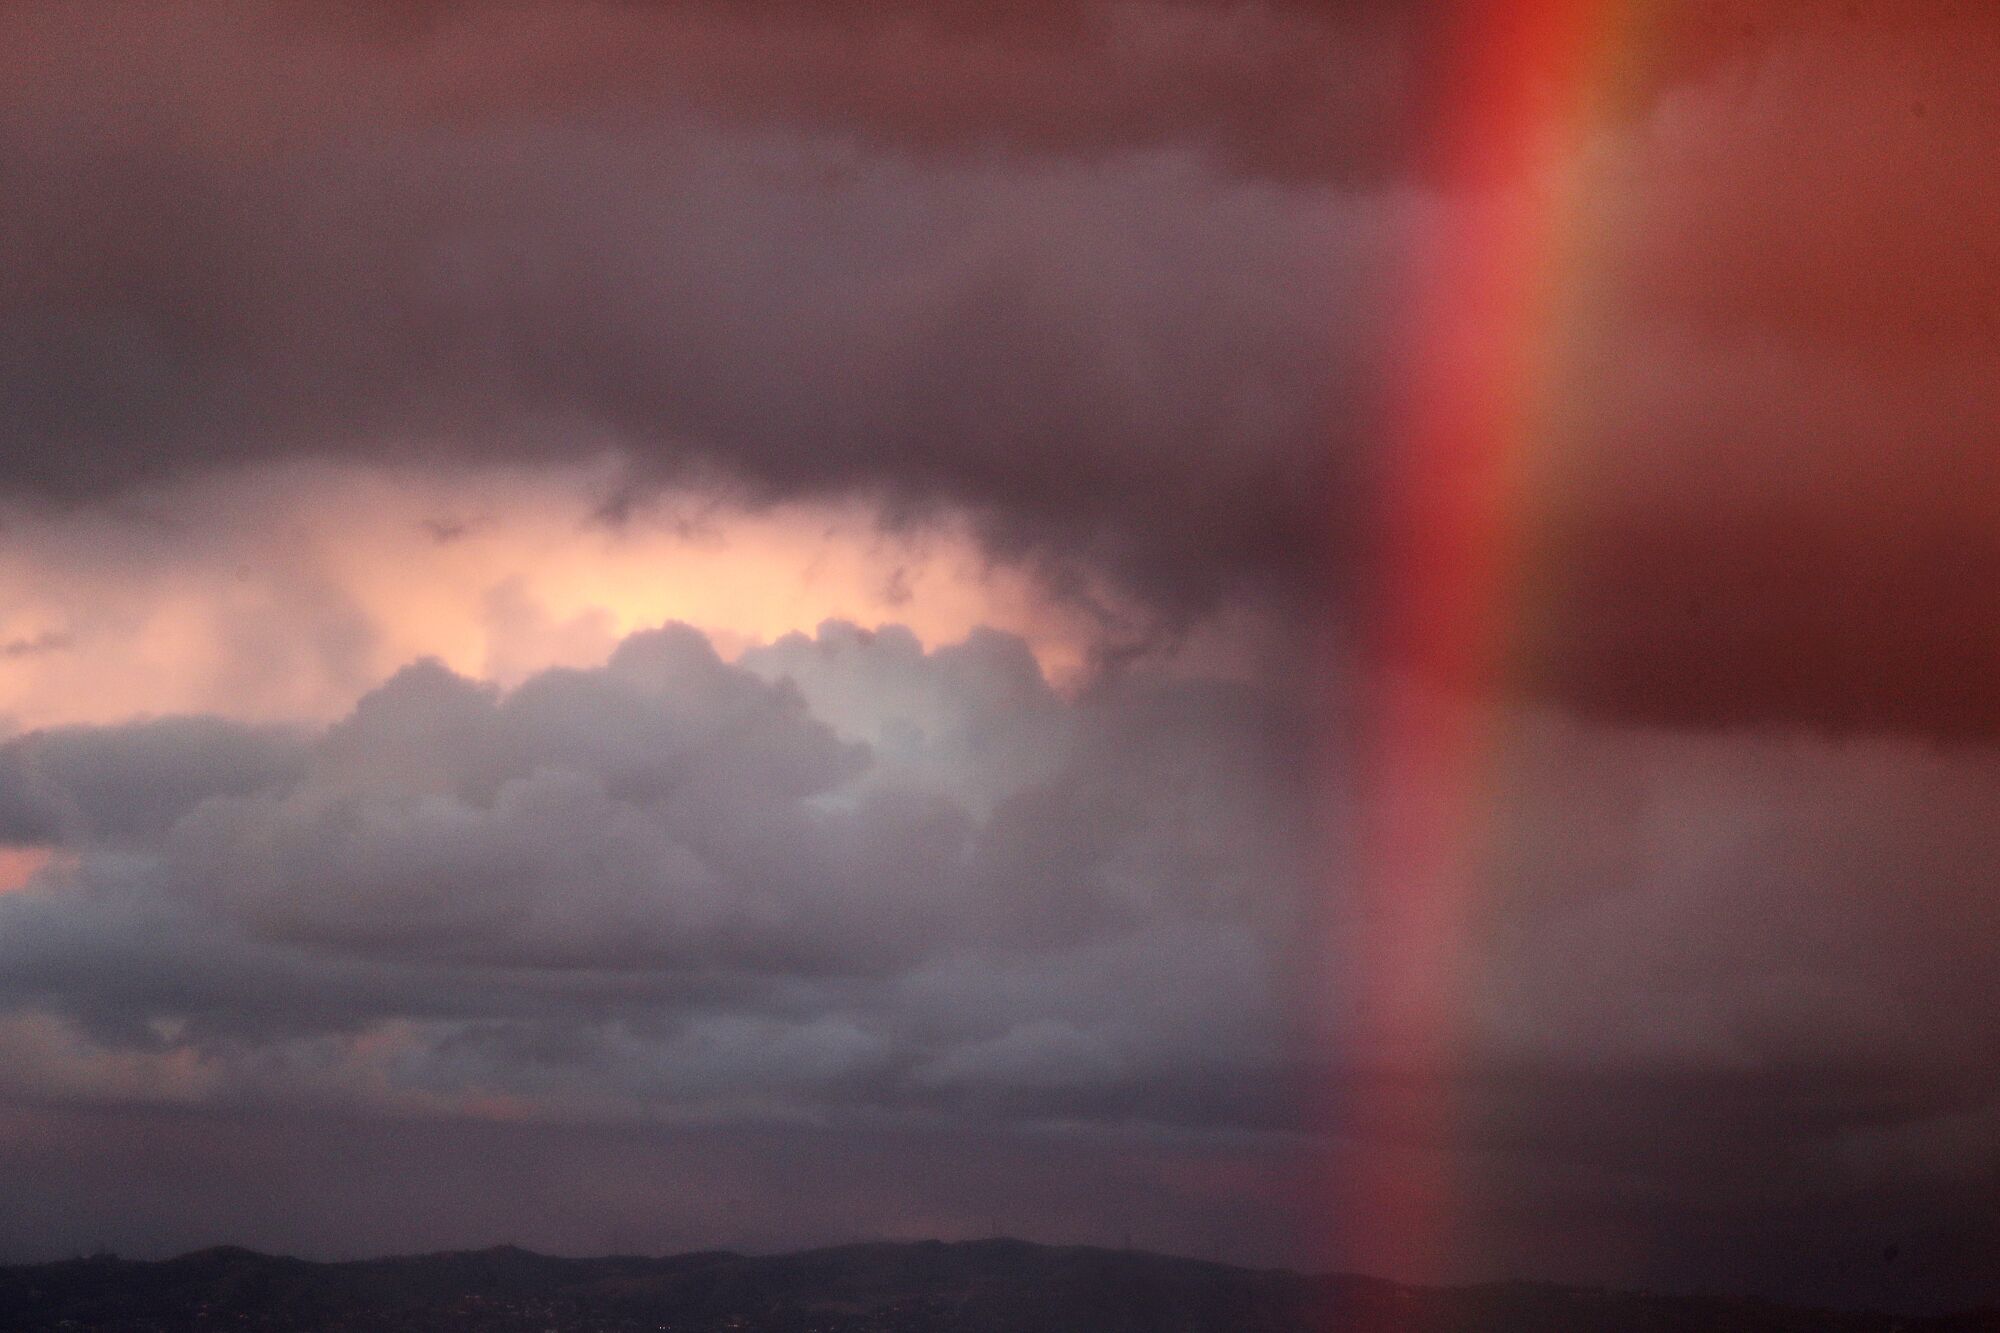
996	1286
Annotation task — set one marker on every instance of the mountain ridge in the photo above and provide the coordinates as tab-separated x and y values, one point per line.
996	1285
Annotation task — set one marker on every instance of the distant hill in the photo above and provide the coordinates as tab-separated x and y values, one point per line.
992	1286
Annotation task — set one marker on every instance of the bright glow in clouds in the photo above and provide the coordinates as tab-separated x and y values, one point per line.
18	865
286	594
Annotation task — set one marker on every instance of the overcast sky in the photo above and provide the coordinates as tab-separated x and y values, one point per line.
657	627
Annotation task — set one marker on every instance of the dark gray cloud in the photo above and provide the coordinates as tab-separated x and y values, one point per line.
1125	281
1745	964
1063	350
1290	89
76	785
1714	1013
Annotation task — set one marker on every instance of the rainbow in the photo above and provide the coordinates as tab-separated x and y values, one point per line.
1496	282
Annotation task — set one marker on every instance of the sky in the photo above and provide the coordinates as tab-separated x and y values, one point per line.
1344	635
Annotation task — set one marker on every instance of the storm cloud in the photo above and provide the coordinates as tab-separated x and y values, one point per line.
1123	281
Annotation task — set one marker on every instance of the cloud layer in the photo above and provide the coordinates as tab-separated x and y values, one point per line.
667	887
848	885
1072	335
1123	282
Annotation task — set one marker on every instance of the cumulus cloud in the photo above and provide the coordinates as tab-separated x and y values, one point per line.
669	887
77	785
847	904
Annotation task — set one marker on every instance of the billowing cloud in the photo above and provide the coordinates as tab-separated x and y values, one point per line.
670	878
78	785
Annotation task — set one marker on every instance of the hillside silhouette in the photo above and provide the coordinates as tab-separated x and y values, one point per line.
989	1286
